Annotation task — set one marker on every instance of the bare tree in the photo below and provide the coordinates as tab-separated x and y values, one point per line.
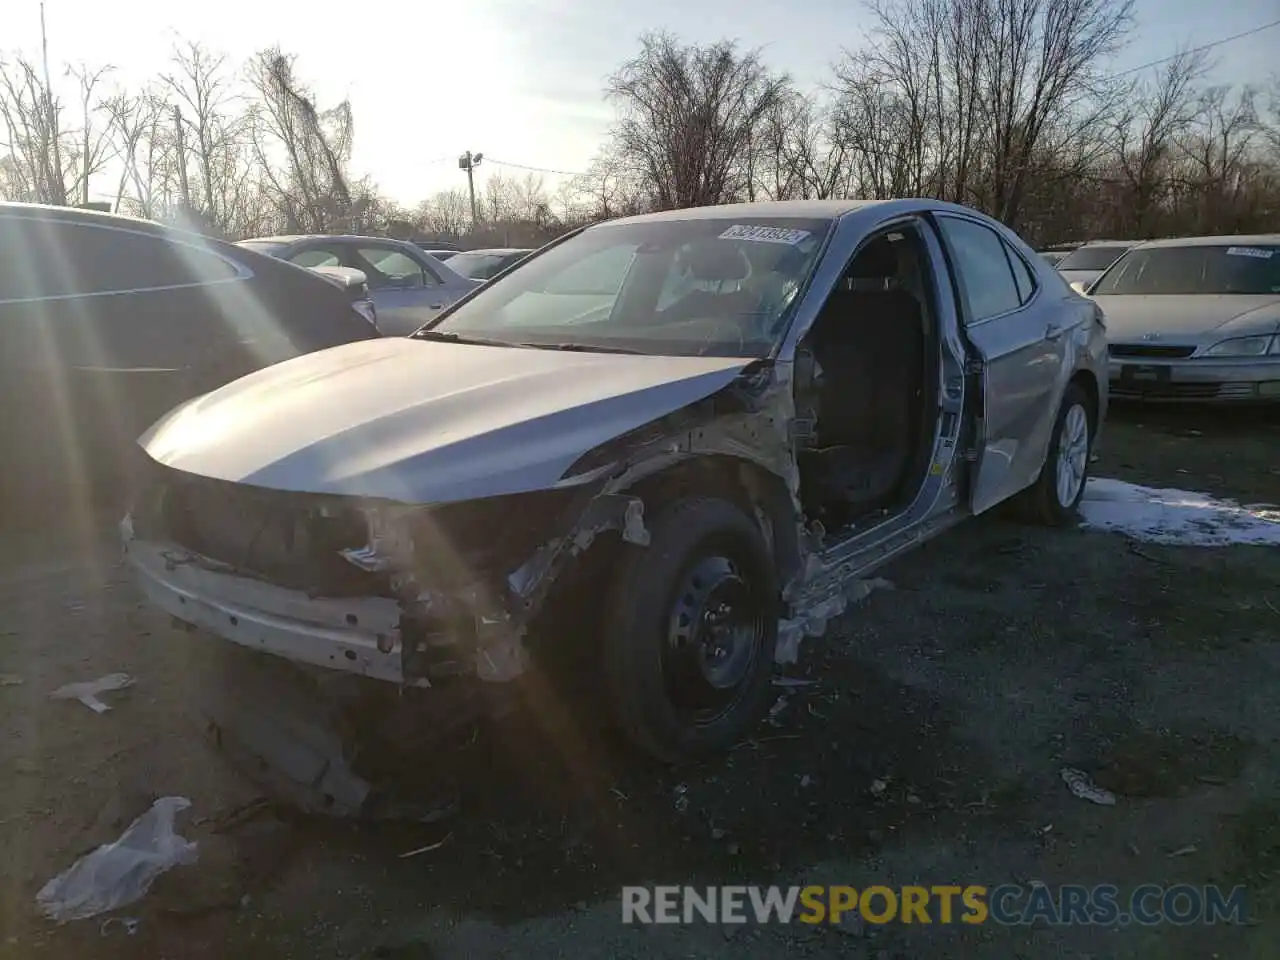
447	213
609	188
211	134
135	123
1219	156
801	152
302	152
92	141
962	93
34	135
688	118
1146	137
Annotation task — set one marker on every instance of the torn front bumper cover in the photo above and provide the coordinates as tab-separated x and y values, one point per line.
360	635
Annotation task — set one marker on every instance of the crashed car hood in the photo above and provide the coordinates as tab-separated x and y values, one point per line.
425	422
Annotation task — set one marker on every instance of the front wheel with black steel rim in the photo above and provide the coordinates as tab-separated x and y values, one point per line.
690	628
1054	498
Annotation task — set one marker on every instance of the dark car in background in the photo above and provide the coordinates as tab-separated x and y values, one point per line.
107	322
486	264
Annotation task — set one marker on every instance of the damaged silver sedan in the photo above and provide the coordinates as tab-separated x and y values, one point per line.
713	422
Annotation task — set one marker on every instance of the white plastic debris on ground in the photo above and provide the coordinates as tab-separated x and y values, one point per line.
117	874
87	691
1080	784
1176	516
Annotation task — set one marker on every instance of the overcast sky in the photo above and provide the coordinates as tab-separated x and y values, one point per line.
520	80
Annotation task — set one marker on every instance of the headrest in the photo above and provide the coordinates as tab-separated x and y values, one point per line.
716	261
878	260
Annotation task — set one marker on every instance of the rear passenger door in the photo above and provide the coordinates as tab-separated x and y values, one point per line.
1018	355
406	292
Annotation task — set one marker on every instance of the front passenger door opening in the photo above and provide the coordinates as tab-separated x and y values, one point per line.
866	385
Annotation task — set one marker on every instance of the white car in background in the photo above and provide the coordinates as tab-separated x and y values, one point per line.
1194	319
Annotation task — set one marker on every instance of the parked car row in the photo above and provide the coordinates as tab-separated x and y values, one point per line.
408	286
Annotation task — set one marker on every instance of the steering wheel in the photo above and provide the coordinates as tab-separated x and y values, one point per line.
716	327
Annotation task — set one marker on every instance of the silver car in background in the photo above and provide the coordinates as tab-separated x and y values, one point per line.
408	287
1195	319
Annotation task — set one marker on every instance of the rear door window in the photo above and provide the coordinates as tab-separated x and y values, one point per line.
41	258
392	269
985	274
1022	275
316	257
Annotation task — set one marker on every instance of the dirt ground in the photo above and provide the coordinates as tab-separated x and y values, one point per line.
1001	654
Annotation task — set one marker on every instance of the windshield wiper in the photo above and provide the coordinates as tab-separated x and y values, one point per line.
581	348
444	336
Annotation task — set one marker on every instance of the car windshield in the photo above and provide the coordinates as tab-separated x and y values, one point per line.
478	266
701	286
1091	258
1221	269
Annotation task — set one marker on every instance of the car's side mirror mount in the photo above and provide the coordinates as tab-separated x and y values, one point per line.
1079	287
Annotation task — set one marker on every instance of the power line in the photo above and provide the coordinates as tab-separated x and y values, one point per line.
523	166
1199	49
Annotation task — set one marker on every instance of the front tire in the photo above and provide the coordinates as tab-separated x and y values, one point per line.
1054	499
689	632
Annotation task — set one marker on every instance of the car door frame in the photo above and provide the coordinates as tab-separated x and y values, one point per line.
937	503
1022	348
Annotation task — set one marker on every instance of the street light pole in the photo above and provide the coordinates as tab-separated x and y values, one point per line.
468	162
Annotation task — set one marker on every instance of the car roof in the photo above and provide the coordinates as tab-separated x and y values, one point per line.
51	213
873	210
1255	239
300	237
1108	243
798	209
499	251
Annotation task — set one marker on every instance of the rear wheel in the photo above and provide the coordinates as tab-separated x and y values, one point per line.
1054	499
690	630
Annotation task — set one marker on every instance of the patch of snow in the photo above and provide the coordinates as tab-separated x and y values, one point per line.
1168	516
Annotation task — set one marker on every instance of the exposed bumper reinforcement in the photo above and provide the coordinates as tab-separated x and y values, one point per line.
356	635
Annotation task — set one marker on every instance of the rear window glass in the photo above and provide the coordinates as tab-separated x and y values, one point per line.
47	258
1091	258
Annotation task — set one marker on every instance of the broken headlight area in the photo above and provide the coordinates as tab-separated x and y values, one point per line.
456	547
448	566
341	546
286	539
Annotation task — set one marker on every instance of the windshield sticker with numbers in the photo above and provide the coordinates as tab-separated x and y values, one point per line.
1257	252
765	234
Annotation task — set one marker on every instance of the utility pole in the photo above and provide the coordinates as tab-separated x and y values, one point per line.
468	162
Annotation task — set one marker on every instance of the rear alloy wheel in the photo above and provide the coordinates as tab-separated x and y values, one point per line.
690	631
1054	498
1073	457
